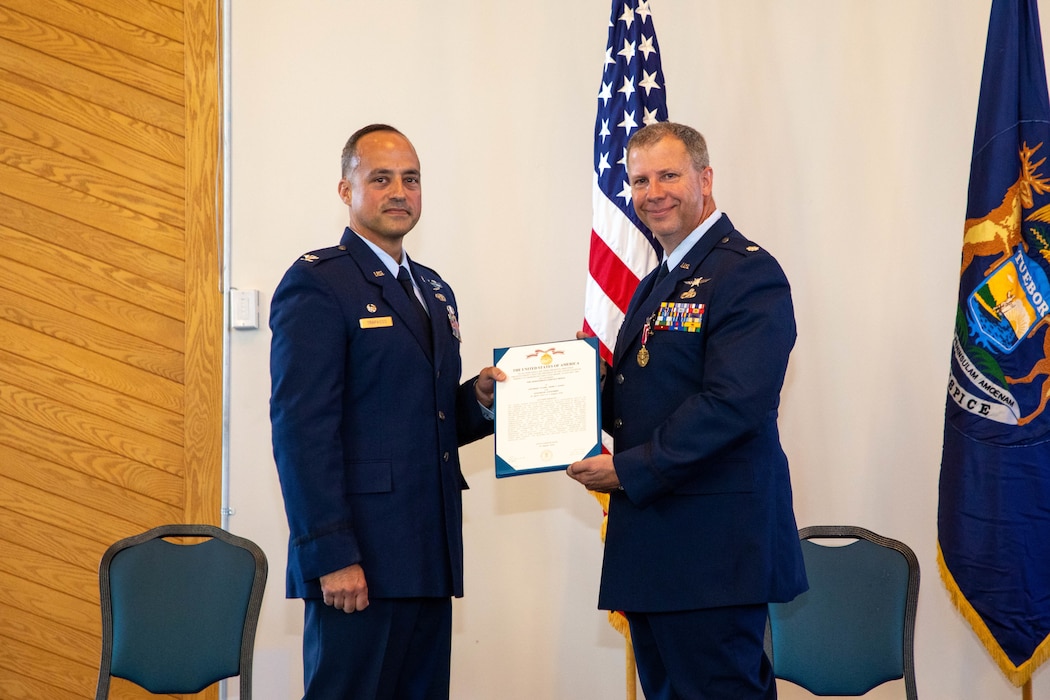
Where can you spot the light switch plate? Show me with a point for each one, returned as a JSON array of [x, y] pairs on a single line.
[[244, 309]]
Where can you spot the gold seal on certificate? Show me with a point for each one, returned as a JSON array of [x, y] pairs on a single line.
[[547, 409]]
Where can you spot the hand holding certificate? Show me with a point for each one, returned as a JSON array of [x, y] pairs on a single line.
[[547, 409]]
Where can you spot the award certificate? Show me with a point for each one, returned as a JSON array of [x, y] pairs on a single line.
[[547, 409]]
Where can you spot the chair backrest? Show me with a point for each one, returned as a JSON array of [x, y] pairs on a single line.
[[854, 628], [177, 618]]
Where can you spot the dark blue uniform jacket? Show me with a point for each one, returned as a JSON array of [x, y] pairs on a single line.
[[367, 415], [705, 518]]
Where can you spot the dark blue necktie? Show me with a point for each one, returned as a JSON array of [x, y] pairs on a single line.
[[406, 284], [661, 273]]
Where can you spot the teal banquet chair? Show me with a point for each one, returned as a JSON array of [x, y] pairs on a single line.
[[177, 618], [854, 628]]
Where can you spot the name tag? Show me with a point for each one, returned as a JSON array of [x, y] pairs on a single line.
[[379, 322]]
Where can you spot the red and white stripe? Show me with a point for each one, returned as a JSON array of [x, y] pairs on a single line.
[[620, 257]]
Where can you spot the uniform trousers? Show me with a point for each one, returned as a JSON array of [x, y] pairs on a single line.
[[395, 649], [711, 654]]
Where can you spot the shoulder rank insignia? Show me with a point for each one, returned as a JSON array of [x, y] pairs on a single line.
[[752, 249], [309, 257]]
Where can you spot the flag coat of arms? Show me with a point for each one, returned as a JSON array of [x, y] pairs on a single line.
[[993, 522]]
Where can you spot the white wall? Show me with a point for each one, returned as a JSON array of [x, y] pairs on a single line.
[[840, 135]]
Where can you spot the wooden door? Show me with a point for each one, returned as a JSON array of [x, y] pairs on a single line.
[[110, 309]]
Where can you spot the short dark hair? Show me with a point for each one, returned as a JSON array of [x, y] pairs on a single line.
[[694, 141], [350, 149]]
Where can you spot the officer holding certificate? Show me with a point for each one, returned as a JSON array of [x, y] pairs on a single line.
[[368, 413], [701, 534]]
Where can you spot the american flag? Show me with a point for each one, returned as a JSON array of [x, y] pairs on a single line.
[[632, 95]]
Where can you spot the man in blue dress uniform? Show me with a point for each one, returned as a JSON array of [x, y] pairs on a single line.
[[701, 533], [368, 413]]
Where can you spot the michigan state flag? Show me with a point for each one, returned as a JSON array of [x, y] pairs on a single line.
[[993, 521]]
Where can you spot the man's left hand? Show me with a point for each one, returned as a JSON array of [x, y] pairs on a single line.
[[596, 473]]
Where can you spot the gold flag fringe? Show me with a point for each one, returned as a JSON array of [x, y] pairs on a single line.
[[1018, 675], [603, 501], [616, 618]]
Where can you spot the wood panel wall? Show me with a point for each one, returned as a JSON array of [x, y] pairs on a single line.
[[110, 309]]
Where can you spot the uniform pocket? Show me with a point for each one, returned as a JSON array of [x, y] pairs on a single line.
[[370, 476]]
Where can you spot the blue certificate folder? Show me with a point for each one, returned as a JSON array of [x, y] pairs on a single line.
[[548, 428]]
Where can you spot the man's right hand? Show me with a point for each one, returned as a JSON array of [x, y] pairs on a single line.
[[345, 589]]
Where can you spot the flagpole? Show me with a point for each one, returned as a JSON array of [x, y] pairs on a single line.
[[623, 251], [1026, 690]]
